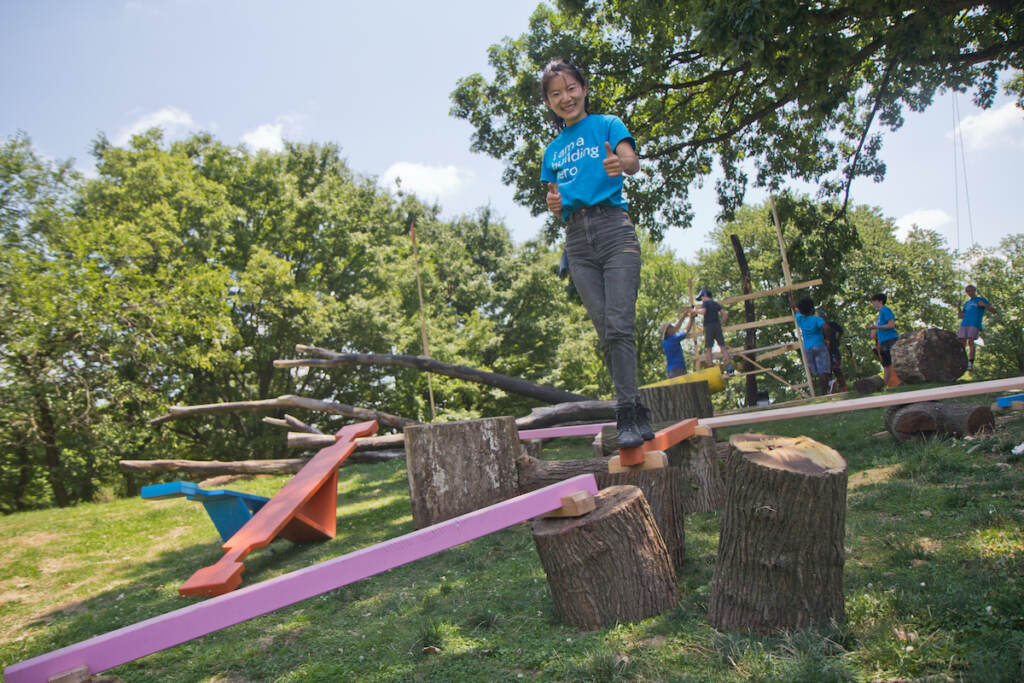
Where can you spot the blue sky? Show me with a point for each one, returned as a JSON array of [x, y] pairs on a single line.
[[375, 78]]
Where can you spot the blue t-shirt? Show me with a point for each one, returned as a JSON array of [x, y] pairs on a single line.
[[885, 314], [973, 313], [810, 327], [575, 159], [673, 348]]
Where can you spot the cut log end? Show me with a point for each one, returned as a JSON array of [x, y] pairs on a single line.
[[801, 454]]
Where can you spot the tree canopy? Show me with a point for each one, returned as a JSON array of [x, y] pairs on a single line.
[[778, 88]]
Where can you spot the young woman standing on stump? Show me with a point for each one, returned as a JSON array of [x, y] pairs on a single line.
[[583, 168]]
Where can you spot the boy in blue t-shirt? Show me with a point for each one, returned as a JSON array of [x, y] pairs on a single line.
[[885, 333], [672, 344], [811, 328], [971, 315]]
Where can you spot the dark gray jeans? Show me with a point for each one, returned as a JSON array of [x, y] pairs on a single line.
[[604, 261]]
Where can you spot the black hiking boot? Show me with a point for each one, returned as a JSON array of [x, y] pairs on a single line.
[[625, 425], [643, 421]]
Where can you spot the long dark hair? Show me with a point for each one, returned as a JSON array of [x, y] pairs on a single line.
[[561, 67]]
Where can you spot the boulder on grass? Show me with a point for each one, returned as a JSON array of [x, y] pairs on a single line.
[[931, 355]]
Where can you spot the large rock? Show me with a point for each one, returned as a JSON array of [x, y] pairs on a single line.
[[932, 355]]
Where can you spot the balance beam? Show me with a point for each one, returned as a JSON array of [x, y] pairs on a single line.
[[898, 398], [146, 637]]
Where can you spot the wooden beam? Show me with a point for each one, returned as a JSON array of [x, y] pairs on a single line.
[[146, 637], [769, 292], [759, 323], [896, 398]]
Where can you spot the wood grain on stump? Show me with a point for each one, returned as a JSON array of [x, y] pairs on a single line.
[[458, 467], [663, 489], [608, 566], [780, 551]]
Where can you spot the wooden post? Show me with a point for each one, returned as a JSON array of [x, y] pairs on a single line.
[[789, 283], [749, 341], [780, 550], [609, 566], [458, 467], [423, 316]]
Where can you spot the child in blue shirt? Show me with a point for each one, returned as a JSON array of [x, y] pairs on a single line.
[[583, 168], [885, 333], [971, 315], [672, 344], [812, 330]]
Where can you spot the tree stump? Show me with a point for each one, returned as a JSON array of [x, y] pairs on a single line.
[[668, 405], [780, 551], [608, 566], [663, 490], [932, 355], [458, 467], [921, 420], [701, 474], [869, 385]]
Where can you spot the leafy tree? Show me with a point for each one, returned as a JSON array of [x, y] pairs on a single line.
[[776, 88]]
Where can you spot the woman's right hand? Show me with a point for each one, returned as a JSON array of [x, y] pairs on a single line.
[[554, 199]]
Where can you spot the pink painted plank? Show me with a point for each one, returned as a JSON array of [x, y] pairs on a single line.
[[146, 637], [897, 398], [556, 432]]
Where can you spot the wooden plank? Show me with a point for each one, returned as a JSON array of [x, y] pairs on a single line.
[[759, 323], [769, 292], [935, 394], [558, 432], [146, 637]]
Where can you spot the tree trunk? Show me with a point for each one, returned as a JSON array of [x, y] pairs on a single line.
[[665, 491], [750, 387], [51, 452], [780, 551], [919, 420], [513, 385], [700, 474], [869, 385], [932, 355], [459, 467], [575, 412], [609, 566], [668, 404]]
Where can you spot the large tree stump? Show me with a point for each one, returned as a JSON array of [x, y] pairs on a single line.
[[932, 355], [458, 467], [662, 488], [608, 566], [925, 419], [701, 473], [780, 551]]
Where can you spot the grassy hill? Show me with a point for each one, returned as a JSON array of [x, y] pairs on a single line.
[[934, 584]]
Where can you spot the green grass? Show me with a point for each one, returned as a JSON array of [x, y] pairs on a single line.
[[933, 584]]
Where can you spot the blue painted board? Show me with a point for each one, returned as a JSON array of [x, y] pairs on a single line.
[[1005, 401], [228, 510]]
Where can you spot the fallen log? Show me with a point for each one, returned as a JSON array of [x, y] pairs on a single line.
[[514, 385], [921, 420], [213, 468], [869, 385], [573, 412], [286, 401], [932, 355]]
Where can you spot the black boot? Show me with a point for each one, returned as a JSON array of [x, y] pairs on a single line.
[[625, 424], [643, 421]]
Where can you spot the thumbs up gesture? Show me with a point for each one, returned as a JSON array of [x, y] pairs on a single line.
[[554, 199], [612, 163]]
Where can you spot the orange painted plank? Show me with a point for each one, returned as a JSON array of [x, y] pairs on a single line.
[[303, 510], [665, 438]]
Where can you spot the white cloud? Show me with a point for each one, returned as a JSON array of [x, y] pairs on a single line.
[[930, 219], [172, 120], [426, 181], [992, 128], [267, 136]]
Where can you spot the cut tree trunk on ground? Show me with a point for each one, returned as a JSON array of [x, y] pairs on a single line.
[[922, 420], [665, 491], [701, 474], [869, 385], [931, 355], [513, 385], [459, 467], [780, 551], [608, 566]]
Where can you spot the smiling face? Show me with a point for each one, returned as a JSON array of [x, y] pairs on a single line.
[[970, 291], [566, 97]]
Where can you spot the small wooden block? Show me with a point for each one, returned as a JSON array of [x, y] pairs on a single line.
[[575, 505], [1016, 405], [701, 430], [652, 460], [77, 675]]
